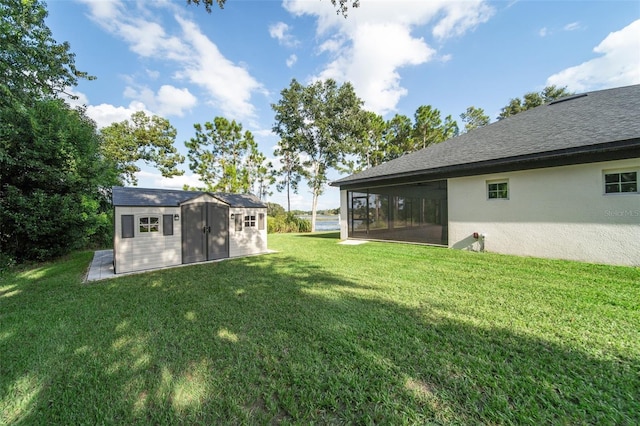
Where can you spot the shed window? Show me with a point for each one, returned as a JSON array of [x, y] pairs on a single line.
[[167, 224], [127, 225], [249, 221], [149, 224], [621, 182], [498, 190], [261, 221]]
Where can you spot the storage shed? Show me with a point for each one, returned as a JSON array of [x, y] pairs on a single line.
[[154, 228]]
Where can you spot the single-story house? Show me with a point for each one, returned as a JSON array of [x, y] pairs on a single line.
[[557, 181], [155, 228]]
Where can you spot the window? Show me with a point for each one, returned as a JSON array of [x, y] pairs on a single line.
[[149, 224], [615, 183], [498, 190], [127, 225], [250, 221], [261, 221]]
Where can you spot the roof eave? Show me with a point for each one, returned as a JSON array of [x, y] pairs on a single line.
[[615, 150]]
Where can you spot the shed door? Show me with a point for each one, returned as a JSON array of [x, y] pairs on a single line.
[[205, 234], [217, 231], [194, 242]]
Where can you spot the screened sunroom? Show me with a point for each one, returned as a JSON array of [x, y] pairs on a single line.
[[411, 213]]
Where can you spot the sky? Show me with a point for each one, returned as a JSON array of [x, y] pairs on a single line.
[[177, 61]]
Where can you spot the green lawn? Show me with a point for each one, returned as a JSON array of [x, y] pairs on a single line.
[[324, 333]]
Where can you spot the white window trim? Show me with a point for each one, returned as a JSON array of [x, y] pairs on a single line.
[[620, 171], [493, 182], [138, 233]]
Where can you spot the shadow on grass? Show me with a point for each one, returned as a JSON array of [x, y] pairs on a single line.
[[322, 235], [274, 339]]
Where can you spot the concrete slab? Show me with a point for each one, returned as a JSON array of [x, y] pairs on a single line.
[[102, 266], [352, 242]]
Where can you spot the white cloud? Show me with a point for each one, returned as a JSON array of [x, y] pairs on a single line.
[[106, 114], [229, 85], [280, 31], [618, 63], [291, 60], [167, 102], [148, 179], [80, 98], [197, 59], [572, 26], [543, 32], [375, 42]]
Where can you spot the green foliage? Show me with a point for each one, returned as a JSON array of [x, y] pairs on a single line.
[[49, 184], [285, 223], [227, 159], [429, 129], [473, 118], [143, 138], [291, 170], [275, 209], [532, 100], [32, 64], [321, 121]]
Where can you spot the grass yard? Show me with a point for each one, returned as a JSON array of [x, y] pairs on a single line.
[[324, 333]]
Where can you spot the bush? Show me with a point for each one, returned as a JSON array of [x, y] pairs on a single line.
[[285, 223]]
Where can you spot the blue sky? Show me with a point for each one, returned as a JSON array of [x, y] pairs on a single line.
[[177, 61]]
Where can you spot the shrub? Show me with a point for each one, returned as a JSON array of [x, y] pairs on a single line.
[[287, 223]]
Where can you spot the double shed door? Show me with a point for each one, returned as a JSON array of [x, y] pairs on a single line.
[[205, 232]]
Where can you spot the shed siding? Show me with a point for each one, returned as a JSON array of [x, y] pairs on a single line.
[[146, 251], [250, 240], [558, 212]]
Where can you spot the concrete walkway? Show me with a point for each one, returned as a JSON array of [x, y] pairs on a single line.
[[102, 266]]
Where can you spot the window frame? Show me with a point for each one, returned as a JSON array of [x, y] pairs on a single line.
[[497, 191], [619, 182], [249, 221], [149, 224]]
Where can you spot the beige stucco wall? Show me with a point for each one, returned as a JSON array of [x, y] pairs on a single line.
[[146, 250], [558, 212], [344, 223]]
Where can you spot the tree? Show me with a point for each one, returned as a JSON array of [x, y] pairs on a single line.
[[291, 170], [320, 121], [143, 138], [32, 64], [275, 209], [371, 149], [260, 173], [429, 129], [532, 100], [227, 159], [51, 176], [473, 118], [399, 139], [342, 6]]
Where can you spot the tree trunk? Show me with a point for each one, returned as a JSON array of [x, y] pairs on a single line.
[[288, 198], [313, 211]]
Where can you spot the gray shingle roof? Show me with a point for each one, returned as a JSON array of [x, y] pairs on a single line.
[[577, 123], [133, 196]]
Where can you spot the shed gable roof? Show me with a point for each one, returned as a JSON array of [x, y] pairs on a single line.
[[142, 197], [595, 121]]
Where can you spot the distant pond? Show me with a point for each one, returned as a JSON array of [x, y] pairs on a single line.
[[325, 223]]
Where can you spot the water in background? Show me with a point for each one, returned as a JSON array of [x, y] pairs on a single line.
[[325, 223]]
